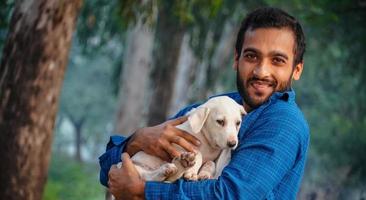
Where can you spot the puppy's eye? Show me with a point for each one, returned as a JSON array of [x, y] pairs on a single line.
[[220, 122], [238, 123]]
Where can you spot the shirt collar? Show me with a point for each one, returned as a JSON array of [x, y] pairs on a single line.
[[288, 95]]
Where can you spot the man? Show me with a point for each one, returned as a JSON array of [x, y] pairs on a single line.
[[273, 139]]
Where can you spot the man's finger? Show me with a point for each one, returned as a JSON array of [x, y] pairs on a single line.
[[164, 155], [183, 143], [189, 137], [113, 167], [171, 150], [127, 162], [178, 120]]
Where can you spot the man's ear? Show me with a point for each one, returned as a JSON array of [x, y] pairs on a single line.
[[296, 74], [236, 61], [197, 118]]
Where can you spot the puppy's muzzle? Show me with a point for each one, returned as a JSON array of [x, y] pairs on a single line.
[[231, 144]]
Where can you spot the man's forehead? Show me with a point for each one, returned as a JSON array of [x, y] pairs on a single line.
[[270, 40]]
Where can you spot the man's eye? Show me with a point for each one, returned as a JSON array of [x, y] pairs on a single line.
[[238, 123], [251, 57], [221, 122], [278, 61]]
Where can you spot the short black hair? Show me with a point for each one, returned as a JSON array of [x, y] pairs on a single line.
[[268, 17]]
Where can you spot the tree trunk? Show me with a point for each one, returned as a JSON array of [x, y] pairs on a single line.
[[185, 76], [135, 73], [169, 36], [78, 142], [222, 57], [78, 125], [202, 71], [212, 66], [78, 139], [32, 69]]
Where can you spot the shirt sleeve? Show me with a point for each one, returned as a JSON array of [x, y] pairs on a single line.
[[265, 154], [116, 146], [112, 156]]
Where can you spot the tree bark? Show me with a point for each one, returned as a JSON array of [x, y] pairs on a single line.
[[78, 125], [222, 56], [169, 36], [31, 73], [212, 66], [79, 140], [201, 79], [185, 76], [135, 76]]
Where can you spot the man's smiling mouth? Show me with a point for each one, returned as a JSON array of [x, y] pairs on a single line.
[[262, 85]]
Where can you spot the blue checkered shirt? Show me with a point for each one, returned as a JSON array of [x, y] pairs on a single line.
[[267, 164]]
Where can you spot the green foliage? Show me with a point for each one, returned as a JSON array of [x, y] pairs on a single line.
[[332, 91], [98, 24], [184, 12], [189, 11], [69, 180], [6, 8], [130, 11]]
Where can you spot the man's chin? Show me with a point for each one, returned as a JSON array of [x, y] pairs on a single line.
[[255, 104], [257, 101]]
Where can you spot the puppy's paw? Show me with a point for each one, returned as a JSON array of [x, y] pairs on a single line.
[[207, 171], [187, 159], [204, 176], [169, 169], [191, 176]]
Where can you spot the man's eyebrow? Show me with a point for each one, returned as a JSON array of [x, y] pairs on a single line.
[[278, 53], [251, 49]]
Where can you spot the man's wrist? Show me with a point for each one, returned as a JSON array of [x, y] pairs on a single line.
[[141, 193], [132, 146]]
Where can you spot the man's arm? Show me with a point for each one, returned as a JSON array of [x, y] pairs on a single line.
[[264, 156], [128, 176], [112, 156], [157, 140], [261, 161]]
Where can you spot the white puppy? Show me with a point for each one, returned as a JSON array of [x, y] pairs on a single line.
[[216, 124]]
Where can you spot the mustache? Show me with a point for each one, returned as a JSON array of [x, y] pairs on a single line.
[[267, 81]]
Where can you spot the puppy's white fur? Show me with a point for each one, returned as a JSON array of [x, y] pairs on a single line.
[[216, 124]]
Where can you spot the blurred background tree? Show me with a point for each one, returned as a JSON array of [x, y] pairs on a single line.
[[33, 63], [129, 56]]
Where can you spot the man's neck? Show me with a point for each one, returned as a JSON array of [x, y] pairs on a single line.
[[247, 108]]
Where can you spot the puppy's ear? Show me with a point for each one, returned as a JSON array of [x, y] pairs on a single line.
[[242, 110], [197, 118]]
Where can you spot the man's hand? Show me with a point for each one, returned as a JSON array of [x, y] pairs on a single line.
[[125, 183], [158, 140]]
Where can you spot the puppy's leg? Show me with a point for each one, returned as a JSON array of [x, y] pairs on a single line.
[[207, 171], [160, 174], [186, 159], [191, 173], [184, 162]]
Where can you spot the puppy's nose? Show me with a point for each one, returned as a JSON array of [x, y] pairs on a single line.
[[231, 144]]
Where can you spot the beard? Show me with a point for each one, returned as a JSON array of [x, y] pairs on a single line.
[[251, 101]]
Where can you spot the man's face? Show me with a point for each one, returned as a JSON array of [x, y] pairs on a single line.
[[266, 64]]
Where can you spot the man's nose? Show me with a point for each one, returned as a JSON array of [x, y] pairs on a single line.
[[262, 69]]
